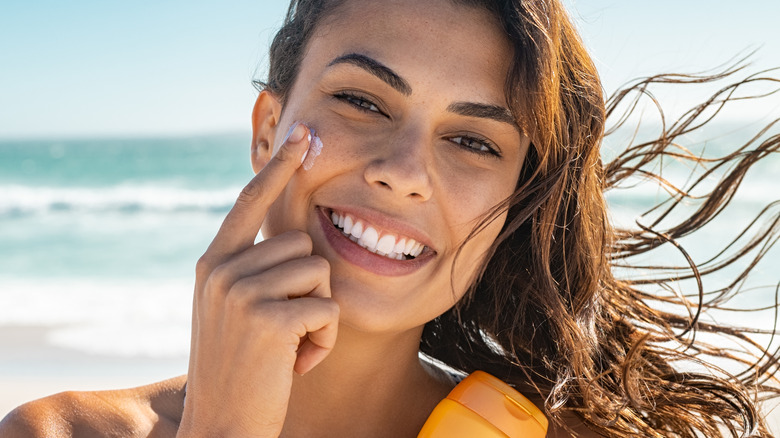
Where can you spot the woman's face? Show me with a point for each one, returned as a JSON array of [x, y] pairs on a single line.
[[408, 99]]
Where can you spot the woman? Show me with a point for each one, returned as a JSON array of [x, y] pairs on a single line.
[[455, 208]]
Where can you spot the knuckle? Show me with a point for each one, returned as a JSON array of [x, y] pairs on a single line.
[[298, 239], [334, 308], [320, 264], [250, 193], [271, 318], [220, 280], [203, 267], [283, 155]]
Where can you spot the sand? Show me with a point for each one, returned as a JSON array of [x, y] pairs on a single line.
[[31, 369]]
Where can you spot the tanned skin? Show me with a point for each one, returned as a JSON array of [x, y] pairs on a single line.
[[152, 411], [147, 411]]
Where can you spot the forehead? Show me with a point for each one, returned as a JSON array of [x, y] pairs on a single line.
[[432, 43]]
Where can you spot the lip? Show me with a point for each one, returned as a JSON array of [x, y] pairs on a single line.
[[363, 258]]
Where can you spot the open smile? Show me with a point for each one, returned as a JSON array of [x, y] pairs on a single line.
[[372, 247], [379, 242]]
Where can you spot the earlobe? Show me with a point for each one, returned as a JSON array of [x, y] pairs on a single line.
[[265, 119]]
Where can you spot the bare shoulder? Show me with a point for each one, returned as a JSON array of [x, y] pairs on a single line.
[[147, 411]]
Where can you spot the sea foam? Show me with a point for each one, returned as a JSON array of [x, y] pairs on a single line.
[[26, 200], [110, 318]]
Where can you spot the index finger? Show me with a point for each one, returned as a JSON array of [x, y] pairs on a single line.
[[242, 223]]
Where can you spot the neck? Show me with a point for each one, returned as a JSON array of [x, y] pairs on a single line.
[[363, 388]]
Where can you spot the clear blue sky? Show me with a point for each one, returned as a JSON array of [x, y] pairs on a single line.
[[174, 67]]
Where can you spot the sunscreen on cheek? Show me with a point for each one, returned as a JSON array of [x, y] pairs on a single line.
[[315, 147]]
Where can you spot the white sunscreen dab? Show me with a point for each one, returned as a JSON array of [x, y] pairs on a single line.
[[315, 147]]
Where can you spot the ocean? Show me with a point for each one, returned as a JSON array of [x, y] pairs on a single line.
[[99, 238]]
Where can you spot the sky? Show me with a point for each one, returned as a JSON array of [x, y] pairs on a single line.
[[109, 68]]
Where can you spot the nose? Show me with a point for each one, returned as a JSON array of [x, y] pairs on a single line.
[[402, 168]]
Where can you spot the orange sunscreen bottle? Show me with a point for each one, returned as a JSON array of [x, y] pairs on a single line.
[[485, 407]]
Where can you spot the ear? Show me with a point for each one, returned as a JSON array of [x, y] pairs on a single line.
[[265, 120]]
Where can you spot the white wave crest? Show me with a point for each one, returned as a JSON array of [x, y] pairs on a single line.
[[26, 200]]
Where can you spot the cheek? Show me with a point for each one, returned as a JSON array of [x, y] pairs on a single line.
[[337, 149], [278, 219], [468, 197], [290, 210], [474, 254], [468, 201], [333, 147]]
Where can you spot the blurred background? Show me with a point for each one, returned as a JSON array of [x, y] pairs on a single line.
[[124, 139]]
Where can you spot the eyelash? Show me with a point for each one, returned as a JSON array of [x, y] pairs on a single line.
[[479, 146], [359, 102], [483, 147]]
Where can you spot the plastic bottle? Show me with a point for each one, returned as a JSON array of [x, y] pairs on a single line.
[[483, 406]]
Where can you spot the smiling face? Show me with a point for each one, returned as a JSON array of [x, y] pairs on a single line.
[[408, 100]]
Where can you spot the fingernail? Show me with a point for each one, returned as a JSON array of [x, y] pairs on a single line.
[[296, 133], [290, 131]]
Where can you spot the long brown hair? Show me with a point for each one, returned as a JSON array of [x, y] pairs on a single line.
[[548, 313]]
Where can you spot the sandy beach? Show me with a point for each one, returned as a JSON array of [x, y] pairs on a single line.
[[30, 369]]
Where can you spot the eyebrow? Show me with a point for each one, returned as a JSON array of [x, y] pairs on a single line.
[[377, 69], [484, 111], [387, 75]]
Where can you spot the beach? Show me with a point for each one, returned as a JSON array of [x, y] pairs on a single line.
[[98, 243], [99, 240], [30, 368]]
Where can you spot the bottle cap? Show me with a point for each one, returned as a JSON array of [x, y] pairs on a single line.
[[499, 404]]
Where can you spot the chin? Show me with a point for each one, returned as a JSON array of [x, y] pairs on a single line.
[[382, 311]]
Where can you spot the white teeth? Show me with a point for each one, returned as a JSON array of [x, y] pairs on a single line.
[[369, 238], [347, 225], [357, 230], [386, 244], [408, 246]]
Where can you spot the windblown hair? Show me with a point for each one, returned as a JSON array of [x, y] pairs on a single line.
[[548, 312]]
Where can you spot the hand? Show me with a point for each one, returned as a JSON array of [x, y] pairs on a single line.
[[260, 312]]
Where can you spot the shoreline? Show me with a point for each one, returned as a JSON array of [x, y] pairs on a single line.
[[30, 368]]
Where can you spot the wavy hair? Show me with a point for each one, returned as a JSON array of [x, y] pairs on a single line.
[[563, 307]]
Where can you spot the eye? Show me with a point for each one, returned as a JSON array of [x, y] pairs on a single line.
[[358, 101], [476, 145]]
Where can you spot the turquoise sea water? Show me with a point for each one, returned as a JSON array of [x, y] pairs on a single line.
[[114, 208], [99, 238]]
